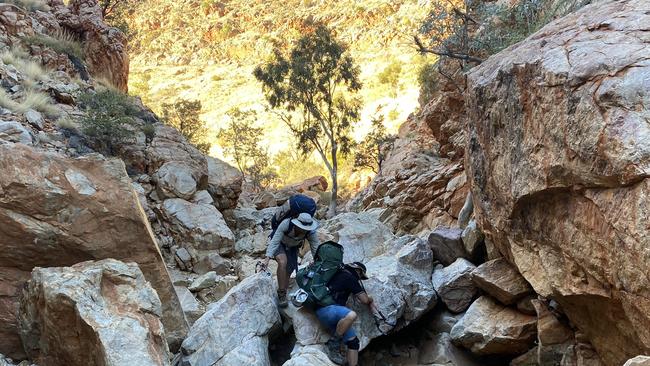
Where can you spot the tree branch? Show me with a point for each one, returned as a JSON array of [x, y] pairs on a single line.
[[450, 54]]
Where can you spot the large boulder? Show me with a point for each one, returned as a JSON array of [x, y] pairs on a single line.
[[502, 281], [246, 312], [169, 145], [559, 158], [306, 327], [57, 211], [174, 180], [447, 245], [311, 355], [454, 285], [400, 281], [198, 226], [488, 328], [224, 183], [362, 235], [93, 313]]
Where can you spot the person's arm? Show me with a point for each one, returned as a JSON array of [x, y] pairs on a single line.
[[314, 242], [275, 241], [366, 299], [361, 295]]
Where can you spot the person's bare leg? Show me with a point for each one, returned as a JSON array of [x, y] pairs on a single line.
[[283, 278], [344, 324], [353, 357]]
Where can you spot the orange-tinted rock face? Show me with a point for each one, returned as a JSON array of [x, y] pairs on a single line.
[[559, 158], [57, 211], [419, 189], [105, 47]]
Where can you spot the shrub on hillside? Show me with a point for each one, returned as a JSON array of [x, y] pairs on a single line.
[[184, 115], [109, 119], [373, 150]]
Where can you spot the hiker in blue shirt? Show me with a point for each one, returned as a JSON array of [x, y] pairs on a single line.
[[284, 245]]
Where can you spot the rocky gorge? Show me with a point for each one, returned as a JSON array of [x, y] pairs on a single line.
[[509, 226]]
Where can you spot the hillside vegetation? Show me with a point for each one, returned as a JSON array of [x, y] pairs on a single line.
[[207, 50]]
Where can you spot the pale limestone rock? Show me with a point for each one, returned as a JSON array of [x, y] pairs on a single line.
[[200, 226], [202, 198], [253, 244], [400, 281], [307, 329], [247, 311], [169, 145], [454, 285], [488, 328], [252, 351], [310, 355], [638, 361], [204, 281], [15, 132], [224, 183], [191, 307], [363, 236], [222, 285], [92, 313], [35, 119], [174, 180], [473, 240]]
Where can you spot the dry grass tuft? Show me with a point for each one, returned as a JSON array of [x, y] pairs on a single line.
[[67, 123], [62, 41], [40, 102], [7, 102]]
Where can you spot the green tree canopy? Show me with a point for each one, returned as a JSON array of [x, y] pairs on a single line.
[[312, 89], [373, 150], [184, 116], [241, 140]]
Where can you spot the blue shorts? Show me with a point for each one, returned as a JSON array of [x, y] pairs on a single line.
[[330, 316]]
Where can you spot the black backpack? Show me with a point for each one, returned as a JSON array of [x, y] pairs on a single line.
[[295, 205]]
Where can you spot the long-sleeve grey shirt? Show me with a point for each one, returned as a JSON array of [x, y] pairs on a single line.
[[287, 235]]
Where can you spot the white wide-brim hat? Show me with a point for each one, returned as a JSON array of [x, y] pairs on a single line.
[[305, 222]]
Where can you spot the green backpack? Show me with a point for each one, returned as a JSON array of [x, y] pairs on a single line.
[[314, 278]]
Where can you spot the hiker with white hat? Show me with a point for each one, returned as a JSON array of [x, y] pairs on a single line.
[[284, 246]]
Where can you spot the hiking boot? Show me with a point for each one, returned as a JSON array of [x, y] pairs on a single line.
[[334, 351], [282, 299]]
